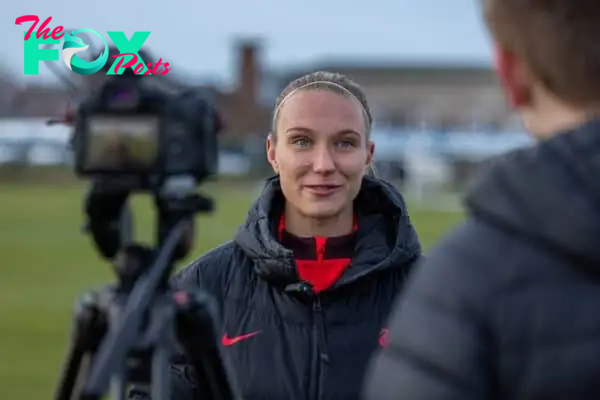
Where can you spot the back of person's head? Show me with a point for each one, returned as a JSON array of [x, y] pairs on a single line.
[[547, 55]]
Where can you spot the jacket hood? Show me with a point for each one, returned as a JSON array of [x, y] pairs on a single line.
[[385, 237], [549, 194]]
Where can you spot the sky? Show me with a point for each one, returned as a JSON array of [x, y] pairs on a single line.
[[197, 36]]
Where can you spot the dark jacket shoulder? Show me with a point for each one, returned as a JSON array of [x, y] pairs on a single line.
[[211, 271], [500, 307], [434, 349]]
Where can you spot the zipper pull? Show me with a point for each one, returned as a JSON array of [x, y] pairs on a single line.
[[317, 305], [320, 243], [305, 289]]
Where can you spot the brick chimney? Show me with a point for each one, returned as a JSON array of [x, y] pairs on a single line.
[[248, 74]]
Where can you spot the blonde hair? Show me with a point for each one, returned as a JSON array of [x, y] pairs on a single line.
[[372, 171], [333, 82], [323, 80]]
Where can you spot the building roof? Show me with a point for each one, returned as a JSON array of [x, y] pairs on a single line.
[[382, 69]]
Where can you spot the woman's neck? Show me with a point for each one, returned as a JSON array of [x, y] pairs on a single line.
[[303, 226]]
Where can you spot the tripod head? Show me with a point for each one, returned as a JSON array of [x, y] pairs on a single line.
[[127, 332], [110, 222]]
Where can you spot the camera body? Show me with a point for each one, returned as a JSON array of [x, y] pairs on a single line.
[[129, 129]]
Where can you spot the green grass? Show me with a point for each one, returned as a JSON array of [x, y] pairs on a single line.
[[47, 263]]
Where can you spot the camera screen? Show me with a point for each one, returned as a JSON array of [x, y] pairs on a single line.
[[121, 144]]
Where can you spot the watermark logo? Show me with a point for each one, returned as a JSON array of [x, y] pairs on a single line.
[[73, 45], [128, 56]]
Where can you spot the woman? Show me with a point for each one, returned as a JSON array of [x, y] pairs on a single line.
[[305, 287]]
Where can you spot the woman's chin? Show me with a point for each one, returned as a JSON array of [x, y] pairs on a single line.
[[322, 210]]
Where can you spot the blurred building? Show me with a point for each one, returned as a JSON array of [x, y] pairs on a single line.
[[448, 116], [402, 94], [440, 96], [245, 109], [39, 101]]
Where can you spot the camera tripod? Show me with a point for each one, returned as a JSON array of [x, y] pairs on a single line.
[[126, 333]]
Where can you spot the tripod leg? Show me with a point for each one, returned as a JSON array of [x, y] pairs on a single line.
[[88, 329], [118, 385], [197, 334], [164, 317]]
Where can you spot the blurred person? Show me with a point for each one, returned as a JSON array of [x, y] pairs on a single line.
[[506, 306], [307, 283]]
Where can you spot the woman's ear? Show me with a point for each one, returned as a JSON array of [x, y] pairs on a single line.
[[370, 152], [271, 156]]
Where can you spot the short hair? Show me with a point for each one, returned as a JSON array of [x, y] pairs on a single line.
[[323, 80], [558, 39]]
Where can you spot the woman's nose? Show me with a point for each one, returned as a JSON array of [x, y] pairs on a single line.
[[323, 160]]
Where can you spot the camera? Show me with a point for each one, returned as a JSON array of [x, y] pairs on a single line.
[[132, 136], [129, 128]]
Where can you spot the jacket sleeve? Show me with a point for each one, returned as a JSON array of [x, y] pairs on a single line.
[[203, 274], [438, 345]]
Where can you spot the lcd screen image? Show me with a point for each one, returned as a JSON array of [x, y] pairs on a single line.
[[122, 144]]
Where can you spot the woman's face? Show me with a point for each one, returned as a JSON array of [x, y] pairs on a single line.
[[320, 151]]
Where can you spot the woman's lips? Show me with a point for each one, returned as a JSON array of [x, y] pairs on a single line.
[[322, 190]]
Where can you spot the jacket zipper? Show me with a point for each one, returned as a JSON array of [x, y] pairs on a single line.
[[321, 354]]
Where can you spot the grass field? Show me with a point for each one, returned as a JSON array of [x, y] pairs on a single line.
[[47, 263]]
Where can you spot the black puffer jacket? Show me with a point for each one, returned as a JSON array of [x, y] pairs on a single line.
[[282, 340], [507, 307]]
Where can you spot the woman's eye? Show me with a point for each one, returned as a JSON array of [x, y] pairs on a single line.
[[301, 142], [345, 143]]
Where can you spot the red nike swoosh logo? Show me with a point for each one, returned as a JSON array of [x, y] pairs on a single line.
[[383, 337], [227, 341]]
